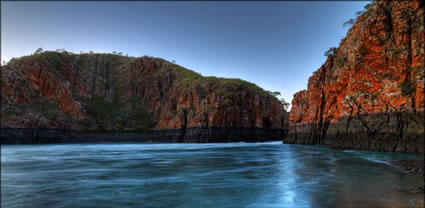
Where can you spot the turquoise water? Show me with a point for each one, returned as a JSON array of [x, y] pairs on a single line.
[[202, 175]]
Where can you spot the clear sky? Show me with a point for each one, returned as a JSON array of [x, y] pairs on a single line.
[[276, 45]]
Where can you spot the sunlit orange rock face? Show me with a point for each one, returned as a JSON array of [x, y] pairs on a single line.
[[370, 93], [106, 92]]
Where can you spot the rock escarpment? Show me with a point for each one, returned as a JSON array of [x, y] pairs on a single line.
[[369, 94], [62, 97]]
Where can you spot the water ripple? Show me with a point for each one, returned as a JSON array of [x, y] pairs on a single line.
[[202, 175]]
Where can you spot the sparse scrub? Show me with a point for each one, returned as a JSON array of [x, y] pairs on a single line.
[[275, 93], [349, 22], [362, 52], [331, 52], [340, 60], [407, 88], [284, 103]]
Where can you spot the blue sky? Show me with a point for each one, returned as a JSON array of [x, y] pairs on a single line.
[[276, 45]]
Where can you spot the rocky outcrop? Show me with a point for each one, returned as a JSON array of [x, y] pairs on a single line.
[[67, 96], [195, 135], [369, 94]]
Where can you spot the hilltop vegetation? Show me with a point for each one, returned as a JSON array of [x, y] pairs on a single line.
[[112, 92]]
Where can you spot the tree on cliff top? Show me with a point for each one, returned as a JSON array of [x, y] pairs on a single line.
[[39, 50], [367, 9], [349, 22], [331, 52], [275, 93], [284, 103]]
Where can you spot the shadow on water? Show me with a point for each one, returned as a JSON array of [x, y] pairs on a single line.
[[202, 175]]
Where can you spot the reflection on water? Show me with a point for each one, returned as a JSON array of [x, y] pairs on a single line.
[[202, 175]]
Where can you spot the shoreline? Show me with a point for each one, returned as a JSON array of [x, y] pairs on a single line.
[[412, 166], [186, 135], [382, 132]]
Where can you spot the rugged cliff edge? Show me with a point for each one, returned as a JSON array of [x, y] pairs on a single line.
[[64, 97], [369, 94]]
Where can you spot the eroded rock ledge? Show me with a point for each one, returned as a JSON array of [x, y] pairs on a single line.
[[194, 135], [389, 132]]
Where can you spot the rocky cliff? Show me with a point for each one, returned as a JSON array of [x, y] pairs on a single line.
[[369, 94], [64, 95]]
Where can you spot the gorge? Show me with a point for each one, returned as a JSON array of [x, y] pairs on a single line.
[[82, 127], [368, 95]]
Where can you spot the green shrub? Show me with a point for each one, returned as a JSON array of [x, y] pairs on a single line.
[[341, 60], [387, 75], [50, 59], [362, 52], [275, 93], [420, 71], [407, 88], [173, 113], [39, 50], [349, 22], [396, 52], [142, 118], [46, 107], [208, 108], [374, 96], [189, 78], [369, 8], [98, 108], [331, 52], [226, 102], [201, 92], [284, 103]]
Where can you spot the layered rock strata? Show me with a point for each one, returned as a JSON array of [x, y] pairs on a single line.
[[64, 96], [369, 94]]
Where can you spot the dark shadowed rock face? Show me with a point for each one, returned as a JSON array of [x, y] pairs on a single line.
[[116, 94], [369, 94]]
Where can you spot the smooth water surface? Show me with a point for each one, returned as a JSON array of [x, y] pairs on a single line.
[[202, 175]]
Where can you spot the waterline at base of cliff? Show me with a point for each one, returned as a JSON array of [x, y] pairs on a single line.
[[192, 135], [386, 132]]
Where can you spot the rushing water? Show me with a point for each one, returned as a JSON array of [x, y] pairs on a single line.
[[202, 175]]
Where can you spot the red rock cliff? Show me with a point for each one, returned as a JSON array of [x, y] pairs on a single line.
[[369, 94], [106, 92]]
